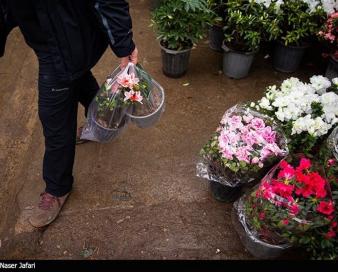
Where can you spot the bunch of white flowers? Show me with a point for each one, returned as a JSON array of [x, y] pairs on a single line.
[[294, 100]]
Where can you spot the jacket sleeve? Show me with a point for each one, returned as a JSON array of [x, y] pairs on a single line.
[[7, 23], [114, 19]]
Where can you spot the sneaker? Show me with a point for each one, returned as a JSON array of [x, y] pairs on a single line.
[[78, 135], [47, 210]]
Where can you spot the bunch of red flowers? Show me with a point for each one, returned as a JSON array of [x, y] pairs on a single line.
[[330, 33], [293, 199]]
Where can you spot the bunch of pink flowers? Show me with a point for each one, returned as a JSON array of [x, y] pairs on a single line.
[[248, 139], [330, 33], [129, 84]]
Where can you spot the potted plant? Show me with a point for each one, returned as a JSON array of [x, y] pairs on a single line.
[[147, 113], [247, 23], [179, 25], [244, 147], [292, 205], [306, 112], [216, 33], [298, 23], [329, 34]]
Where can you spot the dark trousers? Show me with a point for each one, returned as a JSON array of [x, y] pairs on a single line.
[[58, 105]]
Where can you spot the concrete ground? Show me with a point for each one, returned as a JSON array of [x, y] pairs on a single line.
[[136, 197]]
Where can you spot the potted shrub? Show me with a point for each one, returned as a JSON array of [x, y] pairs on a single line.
[[298, 23], [292, 205], [179, 25], [216, 33], [244, 147], [247, 23], [329, 34]]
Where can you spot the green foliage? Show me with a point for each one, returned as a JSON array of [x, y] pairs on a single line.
[[247, 24], [181, 23], [297, 24]]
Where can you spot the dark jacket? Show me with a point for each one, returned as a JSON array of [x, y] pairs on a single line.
[[73, 33]]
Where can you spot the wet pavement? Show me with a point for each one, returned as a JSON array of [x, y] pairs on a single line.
[[136, 197]]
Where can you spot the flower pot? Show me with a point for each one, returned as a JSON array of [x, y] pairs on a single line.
[[332, 68], [154, 4], [152, 118], [236, 64], [224, 193], [216, 37], [287, 59], [255, 246], [175, 63]]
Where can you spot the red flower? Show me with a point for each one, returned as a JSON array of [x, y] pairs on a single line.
[[304, 164], [282, 189], [285, 221], [294, 209], [261, 216], [330, 234], [325, 207], [334, 224], [331, 162]]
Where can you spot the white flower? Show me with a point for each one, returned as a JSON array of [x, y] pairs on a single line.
[[312, 4], [335, 81], [265, 104], [133, 96], [320, 83], [329, 6]]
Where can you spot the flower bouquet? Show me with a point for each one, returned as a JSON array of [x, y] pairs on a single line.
[[124, 94], [245, 145], [306, 112], [292, 205]]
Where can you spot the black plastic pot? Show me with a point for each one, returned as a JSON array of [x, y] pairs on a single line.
[[216, 37], [287, 59], [332, 68], [224, 193], [175, 63], [236, 64]]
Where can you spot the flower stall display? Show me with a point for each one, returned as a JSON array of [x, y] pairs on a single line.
[[243, 148], [292, 205], [306, 112], [329, 34], [127, 94]]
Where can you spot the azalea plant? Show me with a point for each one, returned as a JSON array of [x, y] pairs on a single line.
[[117, 96], [293, 204], [244, 144], [306, 112], [329, 33]]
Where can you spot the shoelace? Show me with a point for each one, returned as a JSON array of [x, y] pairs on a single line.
[[47, 201]]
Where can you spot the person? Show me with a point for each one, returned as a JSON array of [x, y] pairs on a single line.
[[68, 38]]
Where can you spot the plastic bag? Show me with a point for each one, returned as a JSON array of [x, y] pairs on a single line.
[[125, 93], [332, 142], [251, 239], [244, 147]]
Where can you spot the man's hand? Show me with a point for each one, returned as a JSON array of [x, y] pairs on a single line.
[[133, 57]]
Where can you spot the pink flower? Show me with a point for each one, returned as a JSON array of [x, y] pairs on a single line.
[[261, 216], [331, 162], [294, 209], [227, 153], [133, 96], [235, 122], [257, 123], [250, 138], [255, 160], [285, 221], [127, 80], [247, 118], [269, 135], [242, 154]]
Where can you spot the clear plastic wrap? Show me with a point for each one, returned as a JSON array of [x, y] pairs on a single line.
[[332, 142], [251, 238], [243, 148], [124, 94]]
